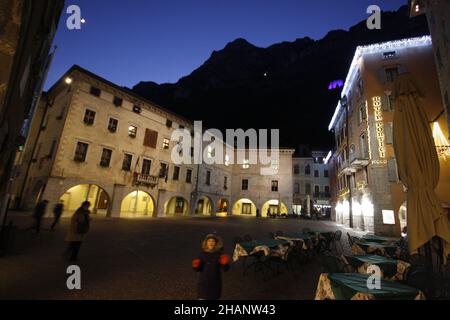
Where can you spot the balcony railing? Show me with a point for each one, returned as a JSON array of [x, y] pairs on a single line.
[[322, 195], [146, 180], [359, 160]]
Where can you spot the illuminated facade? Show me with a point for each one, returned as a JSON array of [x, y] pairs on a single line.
[[93, 140], [368, 193], [438, 17]]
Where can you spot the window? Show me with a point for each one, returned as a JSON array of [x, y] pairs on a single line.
[[95, 91], [316, 190], [307, 188], [106, 157], [391, 74], [89, 116], [146, 166], [363, 146], [176, 173], [391, 100], [151, 138], [274, 185], [225, 182], [81, 152], [362, 114], [52, 149], [126, 164], [244, 184], [132, 131], [166, 143], [296, 169], [137, 109], [246, 164], [117, 101], [296, 188], [274, 163], [112, 125], [316, 173], [327, 190], [208, 178], [211, 152], [308, 170], [246, 208], [188, 175], [163, 170], [389, 55], [325, 173], [181, 126], [169, 123]]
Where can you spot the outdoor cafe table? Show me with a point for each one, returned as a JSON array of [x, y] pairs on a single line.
[[268, 247], [391, 268], [353, 286], [375, 238], [366, 247], [303, 239]]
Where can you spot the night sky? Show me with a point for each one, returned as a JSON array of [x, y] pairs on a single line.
[[148, 40]]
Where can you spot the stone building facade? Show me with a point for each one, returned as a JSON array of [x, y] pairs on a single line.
[[93, 140]]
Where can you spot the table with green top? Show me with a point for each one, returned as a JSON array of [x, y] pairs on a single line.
[[376, 248], [375, 238], [354, 286], [391, 268], [267, 247], [302, 240]]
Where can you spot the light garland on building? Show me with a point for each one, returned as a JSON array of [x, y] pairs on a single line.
[[441, 143], [374, 48]]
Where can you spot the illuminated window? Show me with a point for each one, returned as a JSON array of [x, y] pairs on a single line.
[[388, 217], [132, 131], [274, 163], [166, 143], [246, 164]]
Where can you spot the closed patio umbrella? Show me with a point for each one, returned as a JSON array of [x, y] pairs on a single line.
[[418, 167]]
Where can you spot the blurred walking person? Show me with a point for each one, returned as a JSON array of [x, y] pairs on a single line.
[[39, 212], [57, 212], [79, 227]]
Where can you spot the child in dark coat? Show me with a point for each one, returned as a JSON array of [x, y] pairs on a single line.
[[210, 263]]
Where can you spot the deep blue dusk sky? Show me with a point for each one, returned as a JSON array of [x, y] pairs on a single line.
[[163, 40]]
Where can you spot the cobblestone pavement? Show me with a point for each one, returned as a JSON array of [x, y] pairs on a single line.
[[147, 259]]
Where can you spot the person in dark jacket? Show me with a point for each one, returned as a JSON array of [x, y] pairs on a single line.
[[39, 212], [79, 227], [57, 212], [210, 264]]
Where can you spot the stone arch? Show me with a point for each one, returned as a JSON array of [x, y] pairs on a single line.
[[176, 206], [137, 204], [244, 207], [95, 194]]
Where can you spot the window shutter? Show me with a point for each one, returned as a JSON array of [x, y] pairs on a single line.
[[382, 76], [388, 133], [151, 138], [402, 69], [385, 102], [392, 170]]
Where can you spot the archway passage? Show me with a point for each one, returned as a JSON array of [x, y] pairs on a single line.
[[176, 206], [204, 206], [222, 208], [137, 204], [73, 198], [273, 208], [244, 207]]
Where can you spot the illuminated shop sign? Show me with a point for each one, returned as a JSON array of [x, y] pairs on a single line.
[[379, 125]]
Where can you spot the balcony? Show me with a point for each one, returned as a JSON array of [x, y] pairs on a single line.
[[346, 168], [359, 161], [145, 180]]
